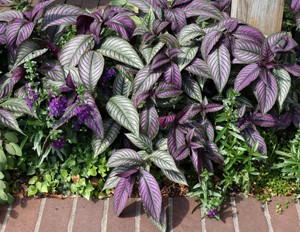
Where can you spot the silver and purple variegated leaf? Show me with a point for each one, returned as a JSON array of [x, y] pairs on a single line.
[[172, 75], [123, 25], [166, 120], [195, 160], [148, 37], [231, 23], [90, 67], [219, 64], [122, 110], [28, 50], [94, 120], [149, 121], [7, 120], [7, 82], [111, 130], [10, 15], [246, 76], [210, 40], [74, 49], [199, 68], [124, 157], [177, 19], [189, 52], [163, 160], [122, 192], [17, 105], [254, 136], [167, 90], [182, 153], [293, 69], [191, 88], [249, 33], [266, 120], [213, 149], [247, 51], [266, 52], [121, 86], [140, 97], [177, 177], [265, 90], [145, 79], [159, 26], [54, 33], [52, 47], [61, 15], [213, 108], [203, 8], [276, 39], [146, 5], [142, 142], [3, 26], [150, 51], [159, 60], [284, 84], [180, 2], [160, 224], [176, 139], [190, 32], [209, 129], [148, 20], [150, 194], [53, 70], [295, 6], [120, 50], [38, 9], [242, 123], [169, 40], [68, 114]]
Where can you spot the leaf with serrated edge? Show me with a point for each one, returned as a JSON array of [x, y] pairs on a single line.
[[120, 50], [122, 110]]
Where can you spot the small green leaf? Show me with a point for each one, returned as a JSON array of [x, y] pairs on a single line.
[[10, 199], [3, 159], [1, 175], [64, 173], [44, 188], [11, 137], [33, 180], [222, 132], [93, 171], [32, 190], [2, 184], [38, 185], [3, 195], [17, 149], [47, 177], [69, 163], [9, 148]]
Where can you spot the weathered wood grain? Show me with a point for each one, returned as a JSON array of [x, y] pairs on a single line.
[[266, 15]]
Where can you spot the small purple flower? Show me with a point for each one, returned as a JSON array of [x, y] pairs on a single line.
[[58, 144], [212, 213], [57, 106], [76, 125], [29, 103], [113, 151], [82, 112]]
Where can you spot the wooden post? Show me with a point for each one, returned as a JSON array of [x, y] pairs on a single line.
[[266, 15]]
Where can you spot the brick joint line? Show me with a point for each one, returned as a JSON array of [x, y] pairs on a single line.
[[72, 215], [38, 222], [170, 209], [234, 215], [203, 221], [137, 219], [6, 218], [104, 217], [298, 209], [268, 217]]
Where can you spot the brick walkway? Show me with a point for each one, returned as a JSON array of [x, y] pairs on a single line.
[[80, 215]]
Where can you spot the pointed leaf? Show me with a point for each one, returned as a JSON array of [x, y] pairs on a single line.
[[122, 110], [188, 54], [17, 105], [203, 8], [6, 119], [247, 51], [146, 5], [172, 75], [53, 70], [219, 64], [150, 194], [189, 33], [182, 153], [10, 15], [246, 76], [149, 121], [121, 86], [124, 157], [163, 160], [210, 40], [61, 15], [176, 140], [149, 51], [284, 84], [199, 68], [192, 88], [73, 50], [120, 50], [253, 137], [142, 142], [249, 33], [177, 177]]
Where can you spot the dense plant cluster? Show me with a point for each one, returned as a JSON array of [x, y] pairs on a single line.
[[164, 83]]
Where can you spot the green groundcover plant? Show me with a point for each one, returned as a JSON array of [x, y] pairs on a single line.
[[163, 83]]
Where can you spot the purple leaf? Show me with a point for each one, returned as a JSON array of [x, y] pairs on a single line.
[[124, 157], [150, 194], [213, 108], [180, 2], [266, 52], [52, 47], [242, 123], [39, 8], [231, 24], [149, 121], [166, 120], [172, 75], [158, 26], [266, 91], [172, 53], [94, 120], [246, 76], [295, 6], [140, 97], [266, 120], [293, 69], [166, 90], [84, 22], [90, 67], [10, 15], [127, 173], [163, 3], [159, 60], [53, 70], [219, 64], [209, 41], [192, 88], [169, 40], [146, 5], [68, 114], [199, 68], [177, 19], [122, 192], [284, 84], [254, 136], [209, 129], [182, 153], [7, 120], [247, 51], [175, 141], [276, 39], [144, 79], [146, 37], [54, 33], [249, 33], [61, 15], [8, 81]]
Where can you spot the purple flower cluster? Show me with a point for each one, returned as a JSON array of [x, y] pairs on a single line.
[[105, 80], [76, 125], [82, 112], [58, 144], [57, 106], [212, 213], [33, 96]]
